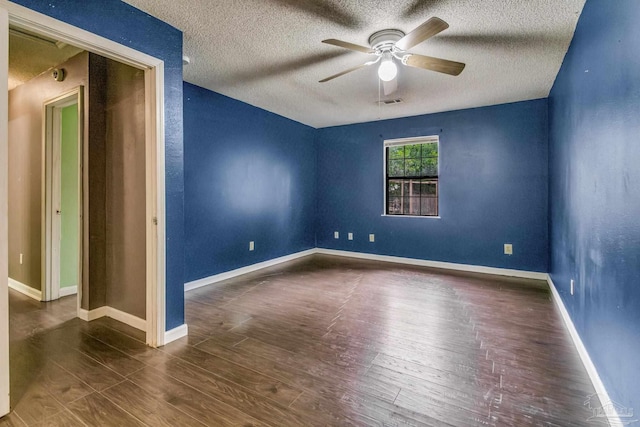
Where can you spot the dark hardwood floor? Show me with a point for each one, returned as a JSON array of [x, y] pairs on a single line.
[[315, 342]]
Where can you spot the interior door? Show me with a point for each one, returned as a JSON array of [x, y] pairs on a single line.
[[63, 195]]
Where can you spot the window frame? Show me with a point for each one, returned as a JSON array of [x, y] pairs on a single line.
[[407, 141]]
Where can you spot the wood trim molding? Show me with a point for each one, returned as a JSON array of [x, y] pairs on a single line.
[[437, 264], [126, 318], [4, 211], [244, 270], [155, 206], [176, 333], [601, 391], [89, 315], [120, 316], [25, 289], [68, 290], [58, 30], [189, 286]]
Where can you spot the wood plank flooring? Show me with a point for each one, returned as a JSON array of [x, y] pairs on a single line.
[[321, 341]]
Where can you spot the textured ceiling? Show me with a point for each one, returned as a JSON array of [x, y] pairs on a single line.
[[31, 55], [268, 53]]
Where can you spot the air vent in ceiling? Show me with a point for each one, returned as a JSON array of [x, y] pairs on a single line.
[[391, 101]]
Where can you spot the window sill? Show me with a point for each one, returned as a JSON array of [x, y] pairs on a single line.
[[410, 216]]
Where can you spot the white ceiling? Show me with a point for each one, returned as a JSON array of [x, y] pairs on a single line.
[[268, 53], [31, 55]]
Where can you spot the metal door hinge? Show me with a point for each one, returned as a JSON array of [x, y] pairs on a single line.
[[155, 220]]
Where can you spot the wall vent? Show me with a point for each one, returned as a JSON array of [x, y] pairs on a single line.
[[391, 101]]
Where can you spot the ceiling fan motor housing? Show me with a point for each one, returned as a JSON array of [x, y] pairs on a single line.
[[384, 40], [392, 44]]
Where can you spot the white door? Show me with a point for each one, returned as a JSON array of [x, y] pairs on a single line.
[[63, 201]]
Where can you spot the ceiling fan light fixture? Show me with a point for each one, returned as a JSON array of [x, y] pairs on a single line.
[[388, 69], [390, 44]]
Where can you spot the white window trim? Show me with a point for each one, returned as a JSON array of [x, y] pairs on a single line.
[[407, 141]]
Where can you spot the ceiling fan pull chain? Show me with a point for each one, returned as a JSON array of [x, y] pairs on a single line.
[[379, 98]]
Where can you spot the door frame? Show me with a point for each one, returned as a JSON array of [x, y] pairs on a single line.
[[52, 110], [4, 213], [20, 16]]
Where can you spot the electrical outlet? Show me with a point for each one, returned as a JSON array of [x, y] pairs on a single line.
[[336, 235], [21, 257], [252, 245], [573, 282], [508, 249], [350, 236], [372, 237]]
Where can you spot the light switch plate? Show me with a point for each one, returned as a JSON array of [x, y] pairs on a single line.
[[350, 236], [372, 237], [508, 249]]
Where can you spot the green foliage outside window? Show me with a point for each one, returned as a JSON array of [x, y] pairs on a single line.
[[412, 179], [413, 160]]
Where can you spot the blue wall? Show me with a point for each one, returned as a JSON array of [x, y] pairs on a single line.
[[117, 21], [249, 175], [594, 115], [493, 188], [493, 179]]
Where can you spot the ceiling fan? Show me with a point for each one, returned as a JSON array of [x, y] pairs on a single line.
[[390, 45]]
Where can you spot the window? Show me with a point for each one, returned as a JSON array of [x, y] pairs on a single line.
[[411, 176]]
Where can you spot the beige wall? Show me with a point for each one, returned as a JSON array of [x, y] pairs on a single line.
[[114, 254], [116, 201], [95, 232], [126, 203], [116, 261], [26, 167]]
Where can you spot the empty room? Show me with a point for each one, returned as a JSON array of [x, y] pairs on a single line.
[[319, 212]]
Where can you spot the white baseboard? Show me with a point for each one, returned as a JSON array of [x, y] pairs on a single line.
[[126, 318], [68, 290], [89, 315], [189, 286], [601, 391], [25, 290], [176, 333], [437, 264], [613, 419], [35, 293], [120, 316]]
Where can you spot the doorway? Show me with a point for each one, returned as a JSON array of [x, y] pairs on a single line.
[[63, 199], [153, 70]]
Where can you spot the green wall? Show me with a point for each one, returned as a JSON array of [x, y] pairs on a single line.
[[70, 200]]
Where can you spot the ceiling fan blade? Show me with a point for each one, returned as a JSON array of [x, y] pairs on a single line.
[[390, 86], [342, 73], [348, 45], [434, 64], [428, 29]]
